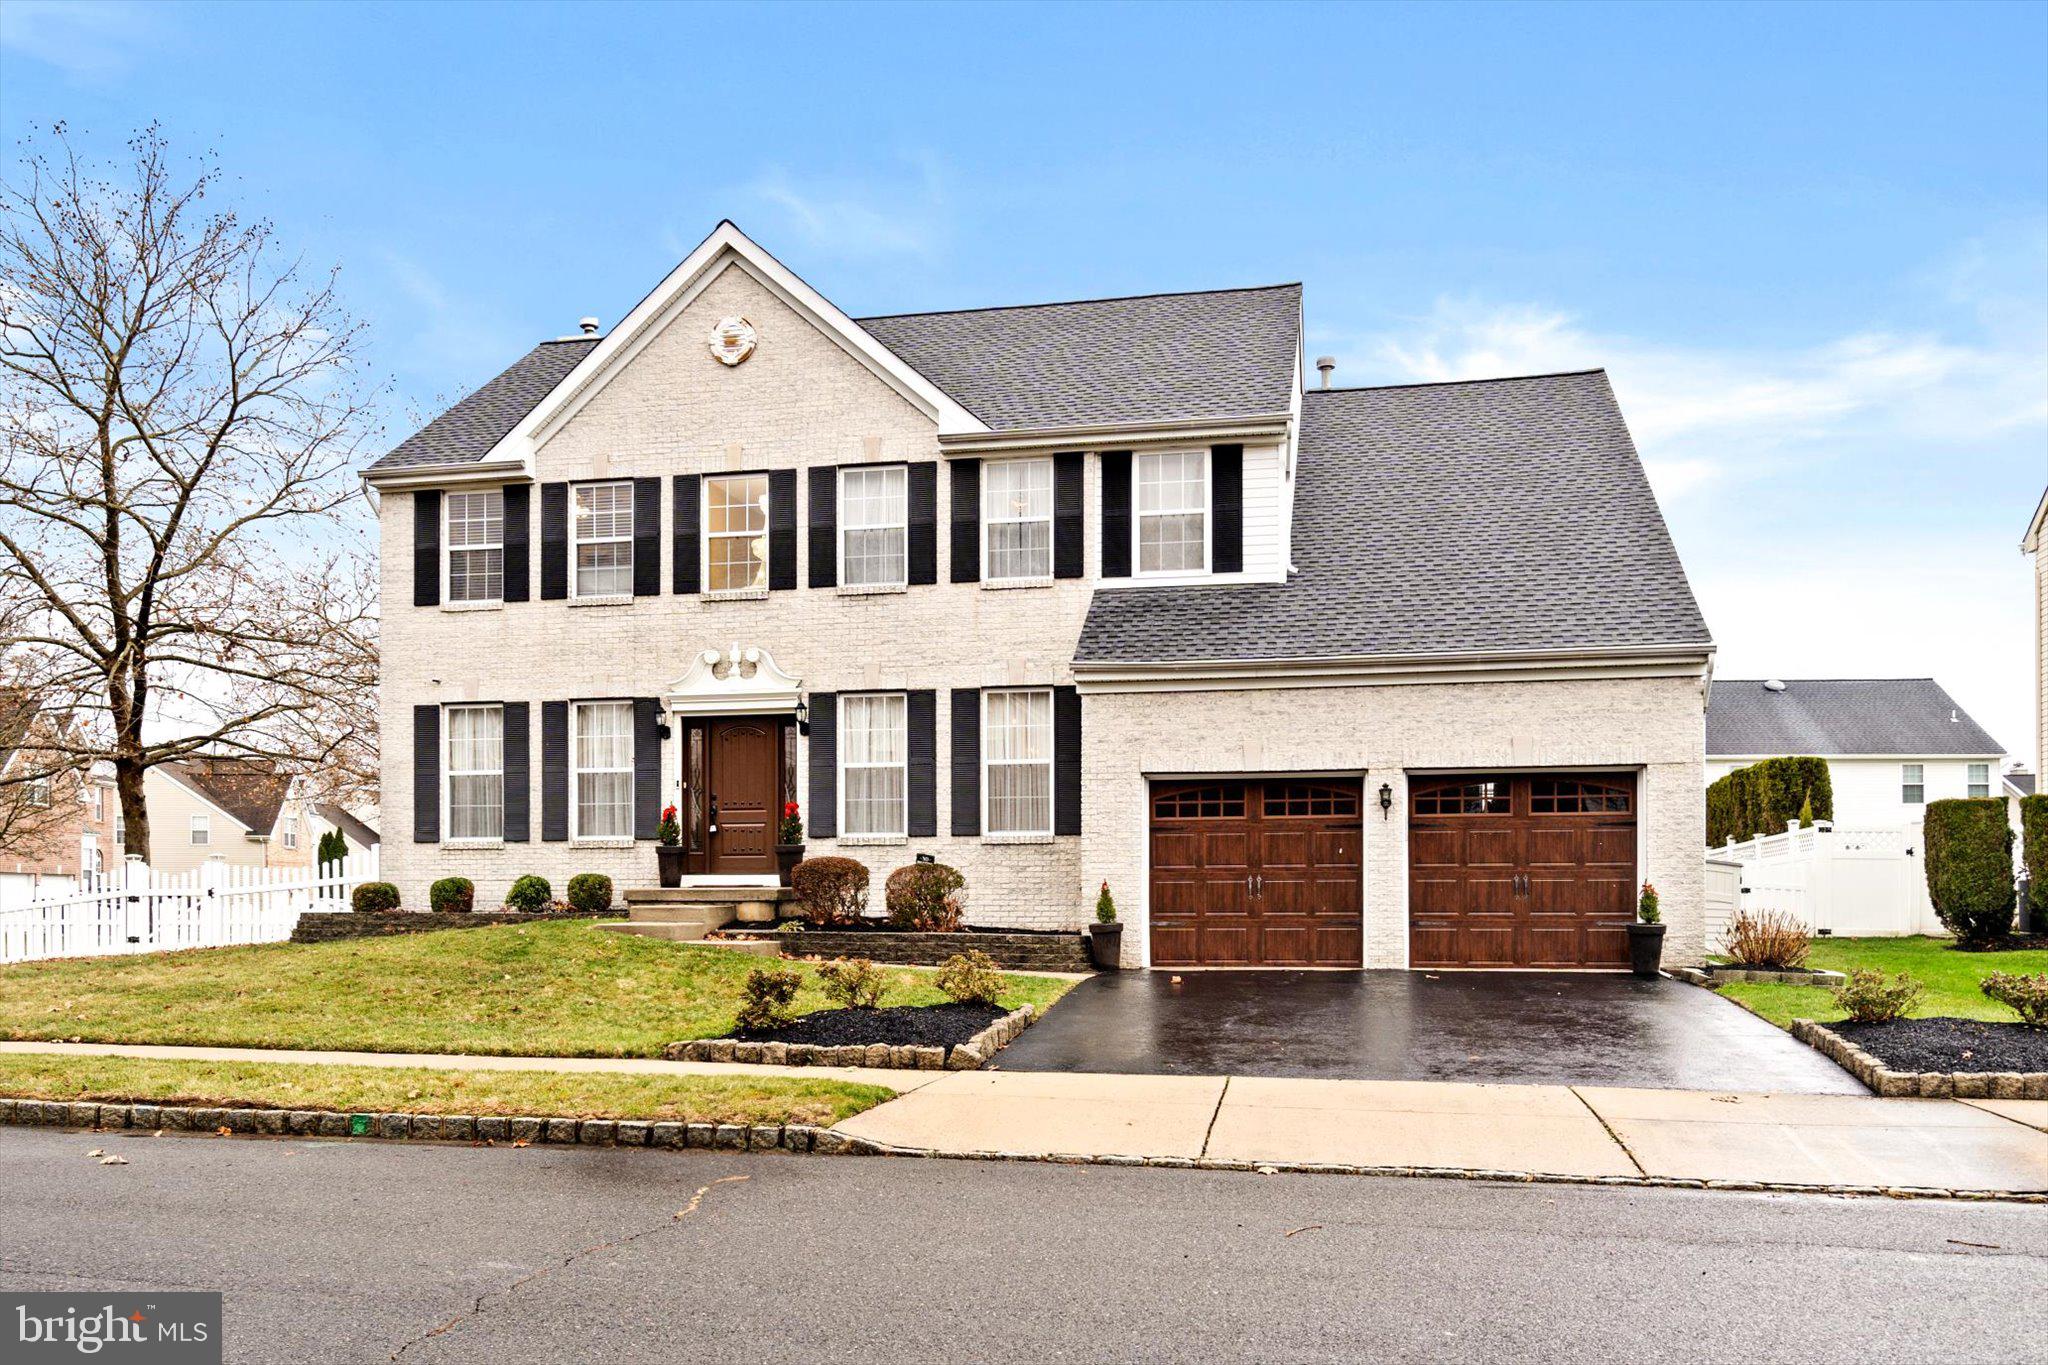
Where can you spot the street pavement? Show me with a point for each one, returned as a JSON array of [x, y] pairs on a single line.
[[337, 1251]]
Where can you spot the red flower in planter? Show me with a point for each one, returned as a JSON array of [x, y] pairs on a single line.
[[788, 809], [668, 812]]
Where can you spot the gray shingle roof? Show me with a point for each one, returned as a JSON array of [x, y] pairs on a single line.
[[1494, 515], [1224, 353], [466, 432], [1837, 717], [2023, 783]]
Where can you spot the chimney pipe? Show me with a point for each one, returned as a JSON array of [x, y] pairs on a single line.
[[1328, 365], [589, 326]]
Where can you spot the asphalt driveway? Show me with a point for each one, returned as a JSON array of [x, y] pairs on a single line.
[[1525, 1028]]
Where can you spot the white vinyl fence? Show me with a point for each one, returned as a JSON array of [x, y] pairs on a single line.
[[1850, 882], [209, 907]]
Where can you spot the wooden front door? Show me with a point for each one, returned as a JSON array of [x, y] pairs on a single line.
[[743, 771], [1256, 874], [1521, 870]]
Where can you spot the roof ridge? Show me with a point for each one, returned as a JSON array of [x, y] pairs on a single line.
[[1449, 383], [1069, 303]]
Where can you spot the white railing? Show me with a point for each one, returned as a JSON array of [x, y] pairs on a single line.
[[209, 907], [1834, 879]]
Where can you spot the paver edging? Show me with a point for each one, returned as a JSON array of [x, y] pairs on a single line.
[[1937, 1085], [968, 1056], [1711, 977]]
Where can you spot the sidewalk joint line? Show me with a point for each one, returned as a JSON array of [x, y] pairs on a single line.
[[1208, 1132], [1602, 1120]]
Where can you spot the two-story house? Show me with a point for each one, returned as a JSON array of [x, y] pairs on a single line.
[[243, 812], [1057, 594]]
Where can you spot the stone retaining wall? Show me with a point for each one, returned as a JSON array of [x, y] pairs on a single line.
[[967, 1056], [328, 926], [1960, 1085], [1011, 952]]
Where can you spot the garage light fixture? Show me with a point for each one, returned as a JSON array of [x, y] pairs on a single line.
[[1386, 801]]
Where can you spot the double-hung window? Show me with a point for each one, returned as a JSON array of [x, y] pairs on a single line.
[[201, 831], [1980, 779], [602, 531], [873, 770], [602, 742], [1913, 783], [1173, 512], [476, 546], [291, 831], [1017, 519], [736, 533], [38, 796], [1016, 732], [874, 527], [476, 772]]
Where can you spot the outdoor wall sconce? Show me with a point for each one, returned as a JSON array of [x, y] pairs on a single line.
[[803, 716], [661, 729], [1386, 801]]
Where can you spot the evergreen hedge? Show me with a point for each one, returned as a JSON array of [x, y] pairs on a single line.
[[1969, 867], [1764, 797], [2034, 856]]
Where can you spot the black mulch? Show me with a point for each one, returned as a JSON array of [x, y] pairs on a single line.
[[897, 1025], [1951, 1044], [874, 925]]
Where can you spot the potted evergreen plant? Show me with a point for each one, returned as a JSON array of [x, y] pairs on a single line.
[[1106, 935], [1646, 935], [789, 841], [668, 849]]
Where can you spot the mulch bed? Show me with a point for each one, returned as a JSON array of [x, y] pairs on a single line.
[[1970, 1045], [2011, 943], [897, 1025], [873, 925]]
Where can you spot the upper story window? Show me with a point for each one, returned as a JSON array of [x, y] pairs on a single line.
[[476, 772], [476, 546], [291, 831], [95, 802], [873, 765], [1017, 756], [120, 831], [38, 795], [1912, 783], [1172, 522], [602, 744], [874, 527], [201, 831], [736, 533], [1980, 779], [1017, 520], [602, 533]]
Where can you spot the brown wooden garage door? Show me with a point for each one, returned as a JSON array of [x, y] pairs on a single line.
[[1530, 870], [1256, 874]]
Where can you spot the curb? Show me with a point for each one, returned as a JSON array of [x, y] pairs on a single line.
[[968, 1056], [1926, 1085], [803, 1137]]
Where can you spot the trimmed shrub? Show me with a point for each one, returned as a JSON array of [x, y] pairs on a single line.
[[1969, 868], [830, 891], [971, 978], [590, 892], [925, 896], [1647, 905], [1868, 998], [2024, 994], [452, 896], [374, 898], [2034, 857], [855, 983], [1764, 797], [1767, 939], [531, 894], [1105, 906], [768, 995]]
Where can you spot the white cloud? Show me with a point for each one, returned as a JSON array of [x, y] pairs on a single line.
[[94, 42], [909, 215]]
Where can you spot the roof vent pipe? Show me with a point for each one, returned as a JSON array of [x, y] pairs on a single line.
[[589, 326], [1774, 685], [1327, 365]]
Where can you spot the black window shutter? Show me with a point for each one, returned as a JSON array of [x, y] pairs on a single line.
[[518, 780], [647, 537], [966, 762], [426, 774], [924, 522], [554, 543], [1066, 513], [781, 530], [824, 526], [1066, 761], [821, 821], [518, 540], [966, 477], [1226, 498], [1116, 514], [554, 771], [684, 532], [646, 766], [921, 724], [426, 548]]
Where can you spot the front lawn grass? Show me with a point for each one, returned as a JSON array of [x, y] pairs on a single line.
[[567, 989], [1950, 978], [397, 1090]]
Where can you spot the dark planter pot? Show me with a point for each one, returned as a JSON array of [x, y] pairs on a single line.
[[1105, 945], [787, 856], [1645, 948], [669, 860]]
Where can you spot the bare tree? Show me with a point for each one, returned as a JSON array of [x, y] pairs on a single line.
[[179, 410]]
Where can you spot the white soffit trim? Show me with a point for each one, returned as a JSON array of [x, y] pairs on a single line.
[[1122, 435], [1390, 671]]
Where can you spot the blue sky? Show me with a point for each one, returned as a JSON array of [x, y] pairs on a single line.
[[1810, 243]]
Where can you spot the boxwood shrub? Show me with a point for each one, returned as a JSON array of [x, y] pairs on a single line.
[[1764, 797], [925, 897], [452, 896], [531, 894], [830, 890], [374, 898], [590, 892], [2034, 856], [1969, 868]]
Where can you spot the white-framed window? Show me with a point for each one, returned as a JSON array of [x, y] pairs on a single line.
[[1016, 519], [201, 830], [874, 527], [874, 776], [601, 769], [92, 865], [1913, 783], [475, 537], [1980, 779], [1016, 759], [476, 772], [290, 831], [120, 831], [95, 802], [736, 533], [1172, 522], [601, 533], [38, 795]]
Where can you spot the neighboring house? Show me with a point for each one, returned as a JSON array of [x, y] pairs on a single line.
[[358, 833], [1057, 594], [1892, 744], [242, 810], [57, 832]]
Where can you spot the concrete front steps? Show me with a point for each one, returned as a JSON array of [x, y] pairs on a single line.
[[688, 914]]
